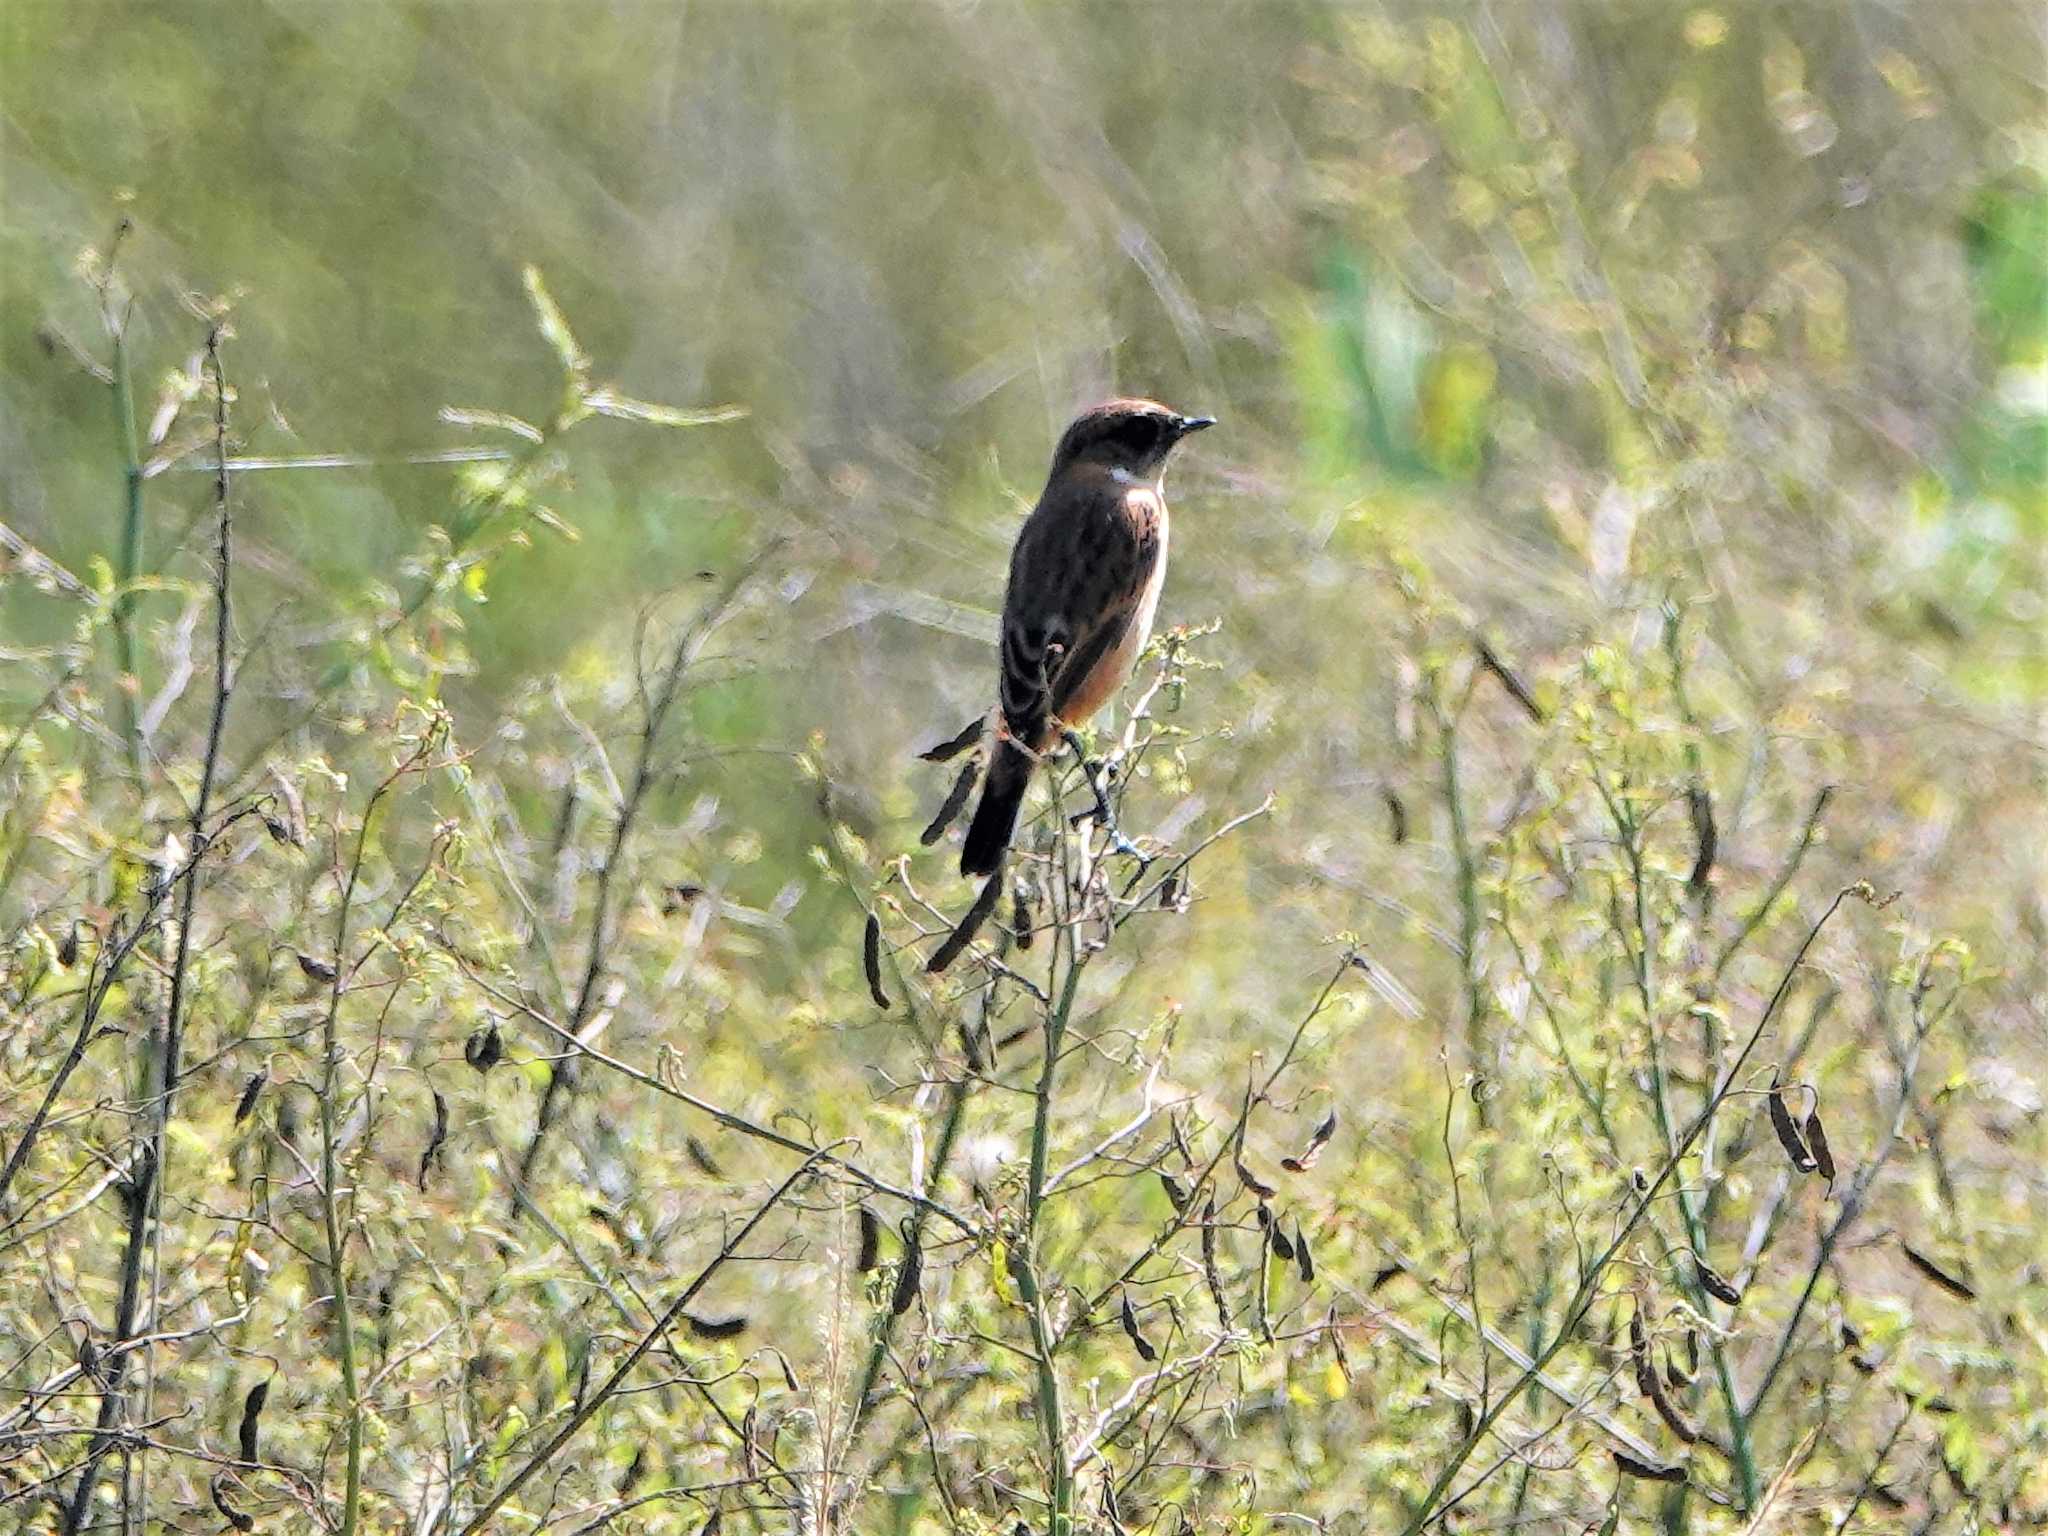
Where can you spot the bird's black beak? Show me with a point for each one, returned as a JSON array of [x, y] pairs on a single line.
[[1192, 424]]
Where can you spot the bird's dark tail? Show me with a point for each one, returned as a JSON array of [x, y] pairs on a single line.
[[995, 818]]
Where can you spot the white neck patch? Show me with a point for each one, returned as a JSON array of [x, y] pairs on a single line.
[[1123, 476]]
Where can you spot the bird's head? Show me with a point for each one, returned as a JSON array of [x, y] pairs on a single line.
[[1132, 437]]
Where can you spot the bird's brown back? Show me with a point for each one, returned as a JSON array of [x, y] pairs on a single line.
[[1085, 572]]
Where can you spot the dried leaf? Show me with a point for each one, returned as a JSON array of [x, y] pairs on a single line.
[[485, 1047], [1705, 837], [252, 1415], [1250, 1180], [435, 1138], [870, 1241], [1817, 1143], [1714, 1284], [1129, 1317], [1630, 1466], [953, 746], [1210, 1274], [1788, 1133], [700, 1156], [907, 1276], [1505, 676], [949, 808], [251, 1091], [871, 960], [241, 1520], [1174, 1190], [1276, 1235], [1954, 1285], [716, 1327], [1304, 1261], [1317, 1140], [961, 937]]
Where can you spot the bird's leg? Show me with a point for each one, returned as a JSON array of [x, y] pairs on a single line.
[[1103, 811]]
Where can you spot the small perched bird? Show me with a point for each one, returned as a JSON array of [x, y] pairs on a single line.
[[1084, 585]]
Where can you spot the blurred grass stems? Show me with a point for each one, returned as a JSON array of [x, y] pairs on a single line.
[[1437, 1499], [1629, 833], [144, 1238], [655, 710], [596, 1400]]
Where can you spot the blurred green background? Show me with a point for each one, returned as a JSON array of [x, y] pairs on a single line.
[[1562, 295], [1582, 304], [1529, 322]]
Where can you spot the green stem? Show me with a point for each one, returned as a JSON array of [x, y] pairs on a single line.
[[1052, 1418], [131, 547]]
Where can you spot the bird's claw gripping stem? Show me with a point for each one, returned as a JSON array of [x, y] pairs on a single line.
[[1101, 811]]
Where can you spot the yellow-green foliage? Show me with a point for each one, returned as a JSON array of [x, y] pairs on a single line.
[[1602, 680]]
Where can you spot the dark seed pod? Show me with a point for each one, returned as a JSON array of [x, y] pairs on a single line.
[[870, 1241], [1714, 1284], [700, 1156], [716, 1327], [1639, 1351], [871, 960], [1668, 1411], [316, 970], [1304, 1160], [1651, 1471], [1276, 1236], [1249, 1180], [1210, 1273], [788, 1373], [1174, 1191], [1013, 1037], [676, 897], [279, 832], [953, 746], [251, 1091], [1953, 1284], [1169, 893], [67, 947], [485, 1047], [252, 1417], [1381, 1276], [1817, 1143], [435, 1138], [1304, 1261], [1788, 1133], [970, 925], [1701, 804], [1674, 1374], [1022, 919], [630, 1478], [240, 1519], [1337, 1348], [1397, 817], [949, 808], [907, 1276], [1129, 1318]]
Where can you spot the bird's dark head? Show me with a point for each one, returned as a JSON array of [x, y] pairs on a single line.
[[1133, 436]]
